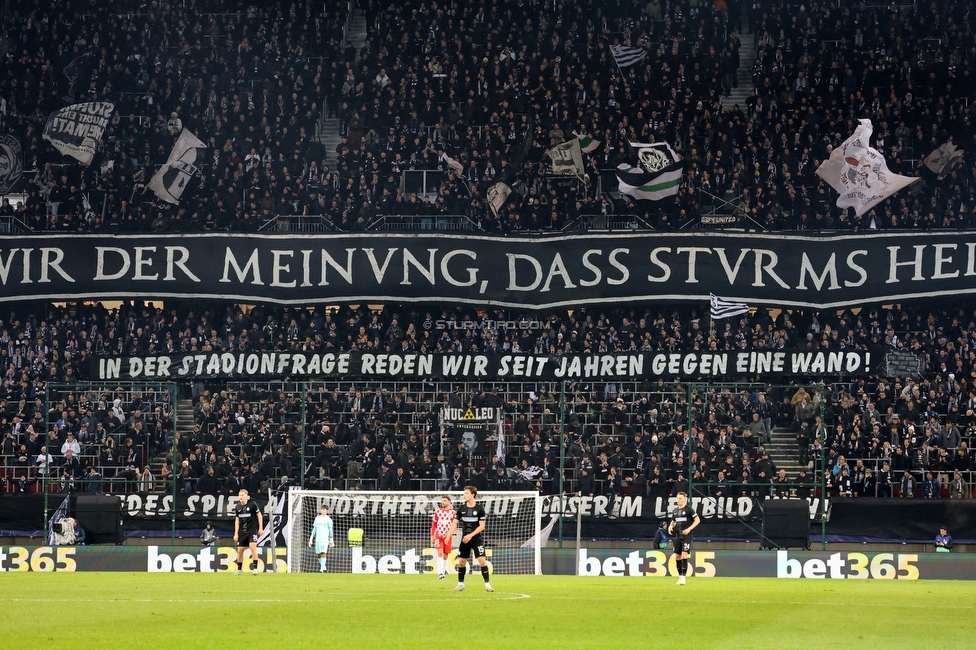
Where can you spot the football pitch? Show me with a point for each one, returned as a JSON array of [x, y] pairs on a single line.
[[140, 610]]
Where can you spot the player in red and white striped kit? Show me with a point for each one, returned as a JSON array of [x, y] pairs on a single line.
[[441, 533]]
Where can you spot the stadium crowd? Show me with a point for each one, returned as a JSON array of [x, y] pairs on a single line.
[[622, 437], [493, 85]]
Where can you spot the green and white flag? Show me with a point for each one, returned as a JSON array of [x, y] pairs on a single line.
[[656, 174], [587, 144]]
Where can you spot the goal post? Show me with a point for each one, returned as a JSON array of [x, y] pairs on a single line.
[[389, 532]]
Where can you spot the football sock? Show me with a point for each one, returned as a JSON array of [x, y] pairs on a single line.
[[484, 572], [254, 565], [240, 565], [684, 567], [461, 570], [322, 563], [680, 567]]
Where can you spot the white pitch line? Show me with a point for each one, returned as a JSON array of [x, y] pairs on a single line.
[[345, 599], [769, 602]]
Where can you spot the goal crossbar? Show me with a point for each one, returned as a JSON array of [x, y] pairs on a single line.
[[389, 532]]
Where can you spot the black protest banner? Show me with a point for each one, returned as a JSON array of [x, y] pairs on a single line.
[[692, 364], [529, 272]]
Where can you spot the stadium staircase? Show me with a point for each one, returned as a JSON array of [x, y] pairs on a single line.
[[783, 451], [184, 424], [329, 131], [747, 58]]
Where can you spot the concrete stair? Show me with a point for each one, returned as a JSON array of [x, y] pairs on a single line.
[[329, 127], [184, 424], [783, 451], [747, 58]]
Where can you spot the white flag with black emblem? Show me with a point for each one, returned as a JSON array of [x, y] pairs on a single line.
[[859, 172], [171, 179]]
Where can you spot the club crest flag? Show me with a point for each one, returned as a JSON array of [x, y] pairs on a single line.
[[567, 159], [76, 130], [655, 175], [11, 162], [859, 172], [943, 160], [171, 179]]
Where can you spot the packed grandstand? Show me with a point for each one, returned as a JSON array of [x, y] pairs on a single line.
[[468, 97]]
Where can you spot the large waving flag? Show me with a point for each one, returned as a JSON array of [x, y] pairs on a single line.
[[566, 158], [943, 160], [626, 55], [171, 179], [497, 195], [656, 174], [859, 172], [76, 130]]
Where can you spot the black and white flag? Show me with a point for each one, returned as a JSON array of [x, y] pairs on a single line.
[[76, 130], [75, 71], [11, 162], [567, 159], [655, 175], [626, 55], [725, 308], [497, 196], [171, 179], [859, 172], [944, 160]]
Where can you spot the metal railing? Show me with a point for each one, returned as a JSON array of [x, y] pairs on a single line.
[[300, 223], [607, 223], [420, 223], [13, 226]]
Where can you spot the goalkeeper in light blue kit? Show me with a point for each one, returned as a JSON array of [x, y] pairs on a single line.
[[322, 536]]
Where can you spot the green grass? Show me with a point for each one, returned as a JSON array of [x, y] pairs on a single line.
[[139, 610]]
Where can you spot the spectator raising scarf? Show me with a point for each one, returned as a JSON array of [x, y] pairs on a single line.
[[859, 172]]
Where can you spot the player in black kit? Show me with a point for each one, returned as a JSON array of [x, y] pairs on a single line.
[[472, 520], [248, 526], [683, 521]]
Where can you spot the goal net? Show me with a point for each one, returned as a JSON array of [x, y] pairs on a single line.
[[389, 532]]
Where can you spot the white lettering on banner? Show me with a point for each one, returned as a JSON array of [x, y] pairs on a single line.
[[211, 560], [400, 505], [643, 563], [841, 566], [605, 366], [409, 563], [42, 559], [195, 505]]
